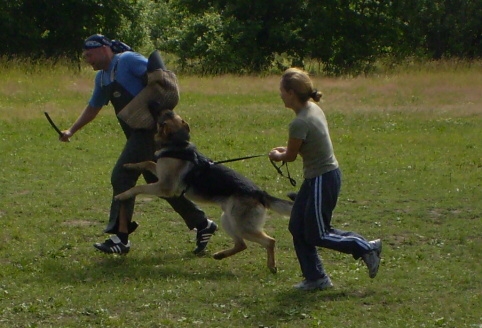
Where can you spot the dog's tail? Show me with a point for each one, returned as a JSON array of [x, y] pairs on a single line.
[[292, 195], [279, 205]]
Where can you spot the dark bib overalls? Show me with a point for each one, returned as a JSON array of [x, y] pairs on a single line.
[[140, 147]]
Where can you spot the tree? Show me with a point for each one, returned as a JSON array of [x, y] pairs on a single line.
[[229, 36], [243, 36], [56, 28], [347, 36], [440, 28]]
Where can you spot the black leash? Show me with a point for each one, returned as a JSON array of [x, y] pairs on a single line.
[[238, 159], [278, 168]]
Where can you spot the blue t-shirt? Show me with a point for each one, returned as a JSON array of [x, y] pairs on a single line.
[[128, 69]]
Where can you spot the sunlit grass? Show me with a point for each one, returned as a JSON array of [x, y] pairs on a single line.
[[408, 144]]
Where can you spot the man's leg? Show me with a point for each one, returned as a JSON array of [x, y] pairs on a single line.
[[194, 217], [138, 148]]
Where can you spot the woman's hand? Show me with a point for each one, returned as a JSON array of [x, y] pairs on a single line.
[[276, 154], [286, 154]]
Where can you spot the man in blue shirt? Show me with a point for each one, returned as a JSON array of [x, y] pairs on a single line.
[[121, 76]]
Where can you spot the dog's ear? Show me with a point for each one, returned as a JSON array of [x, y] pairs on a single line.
[[162, 122], [166, 130], [185, 125], [162, 130]]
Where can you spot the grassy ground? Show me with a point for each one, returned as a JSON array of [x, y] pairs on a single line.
[[409, 147]]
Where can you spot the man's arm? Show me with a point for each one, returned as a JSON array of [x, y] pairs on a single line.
[[87, 116]]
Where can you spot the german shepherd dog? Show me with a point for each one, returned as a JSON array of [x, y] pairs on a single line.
[[181, 169]]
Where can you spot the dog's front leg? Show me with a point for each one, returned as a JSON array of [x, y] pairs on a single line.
[[154, 189], [142, 166], [168, 184]]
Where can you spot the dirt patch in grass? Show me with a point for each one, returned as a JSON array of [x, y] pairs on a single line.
[[77, 223]]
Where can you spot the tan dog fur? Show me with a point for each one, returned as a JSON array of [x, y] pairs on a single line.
[[243, 216]]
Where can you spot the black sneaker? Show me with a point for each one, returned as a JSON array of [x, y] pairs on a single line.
[[113, 245], [203, 236]]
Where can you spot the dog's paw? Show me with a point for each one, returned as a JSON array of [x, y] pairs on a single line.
[[292, 195], [121, 197], [130, 166], [273, 269], [219, 256]]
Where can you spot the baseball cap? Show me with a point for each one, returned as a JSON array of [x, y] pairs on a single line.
[[96, 41]]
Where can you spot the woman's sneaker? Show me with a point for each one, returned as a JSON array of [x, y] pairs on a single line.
[[113, 245], [320, 284], [372, 258]]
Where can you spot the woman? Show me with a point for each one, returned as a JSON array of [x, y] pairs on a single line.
[[310, 221]]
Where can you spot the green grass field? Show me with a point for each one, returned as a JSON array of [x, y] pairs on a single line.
[[409, 146]]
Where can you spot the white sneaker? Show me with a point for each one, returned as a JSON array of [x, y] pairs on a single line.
[[372, 258], [321, 284]]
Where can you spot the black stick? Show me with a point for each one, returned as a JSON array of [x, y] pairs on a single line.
[[53, 124]]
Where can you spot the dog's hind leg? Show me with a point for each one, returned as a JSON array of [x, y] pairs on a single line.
[[239, 244], [267, 242]]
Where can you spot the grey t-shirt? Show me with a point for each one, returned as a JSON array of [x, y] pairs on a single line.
[[310, 125]]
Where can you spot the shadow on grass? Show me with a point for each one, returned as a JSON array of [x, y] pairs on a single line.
[[293, 305], [289, 306], [101, 267], [304, 298]]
